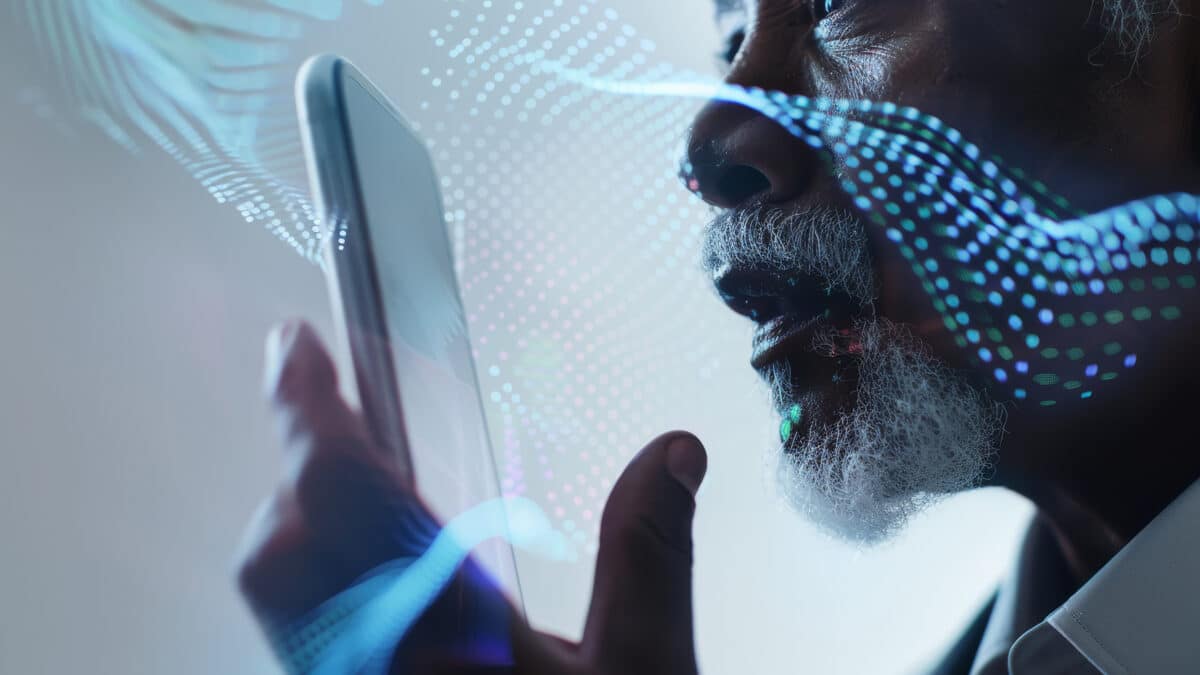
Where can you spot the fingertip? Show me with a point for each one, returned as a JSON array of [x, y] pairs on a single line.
[[297, 365], [687, 461], [680, 452]]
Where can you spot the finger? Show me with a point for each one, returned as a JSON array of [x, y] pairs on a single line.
[[640, 618], [301, 382], [278, 569], [349, 494]]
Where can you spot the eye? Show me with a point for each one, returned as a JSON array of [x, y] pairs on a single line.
[[823, 8], [733, 45]]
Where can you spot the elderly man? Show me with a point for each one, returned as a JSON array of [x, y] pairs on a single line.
[[881, 407]]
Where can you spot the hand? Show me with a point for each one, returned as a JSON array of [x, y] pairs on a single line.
[[343, 510]]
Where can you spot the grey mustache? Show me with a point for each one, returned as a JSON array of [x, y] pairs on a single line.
[[822, 242]]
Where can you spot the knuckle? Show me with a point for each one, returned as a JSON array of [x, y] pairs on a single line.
[[271, 543], [642, 536], [250, 571]]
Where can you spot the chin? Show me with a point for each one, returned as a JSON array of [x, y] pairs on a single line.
[[888, 432]]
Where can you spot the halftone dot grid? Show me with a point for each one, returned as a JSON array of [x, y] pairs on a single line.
[[570, 226], [557, 132]]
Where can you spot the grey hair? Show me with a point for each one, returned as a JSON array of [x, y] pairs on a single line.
[[1132, 23]]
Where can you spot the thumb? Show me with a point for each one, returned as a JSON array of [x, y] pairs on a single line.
[[640, 618]]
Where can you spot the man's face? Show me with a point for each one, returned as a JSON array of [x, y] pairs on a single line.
[[880, 408]]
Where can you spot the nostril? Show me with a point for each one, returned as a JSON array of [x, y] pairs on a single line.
[[738, 184]]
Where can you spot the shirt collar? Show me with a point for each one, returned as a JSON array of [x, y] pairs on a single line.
[[1137, 614], [1038, 581]]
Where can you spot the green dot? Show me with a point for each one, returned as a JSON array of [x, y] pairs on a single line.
[[1170, 312], [1112, 348], [785, 430], [1071, 385], [1075, 353], [1109, 377], [1114, 317], [1050, 353], [1161, 283], [1141, 313], [1186, 281], [1046, 379], [1047, 404], [1066, 320], [1089, 318], [794, 413]]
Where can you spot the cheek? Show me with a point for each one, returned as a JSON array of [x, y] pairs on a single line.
[[903, 299]]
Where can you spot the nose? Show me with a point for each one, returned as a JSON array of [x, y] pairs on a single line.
[[737, 156]]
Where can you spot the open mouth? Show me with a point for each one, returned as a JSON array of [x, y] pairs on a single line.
[[791, 311]]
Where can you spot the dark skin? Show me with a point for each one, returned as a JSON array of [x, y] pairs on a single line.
[[1038, 81], [343, 508], [1040, 84]]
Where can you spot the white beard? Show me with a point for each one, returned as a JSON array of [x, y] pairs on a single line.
[[917, 433]]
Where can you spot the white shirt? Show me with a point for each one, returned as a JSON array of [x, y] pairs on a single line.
[[1139, 615]]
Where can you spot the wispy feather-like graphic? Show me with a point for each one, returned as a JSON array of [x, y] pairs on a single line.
[[206, 82]]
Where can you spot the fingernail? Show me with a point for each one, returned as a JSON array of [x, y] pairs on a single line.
[[687, 462], [277, 343]]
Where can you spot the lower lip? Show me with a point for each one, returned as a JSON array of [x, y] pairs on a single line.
[[782, 335]]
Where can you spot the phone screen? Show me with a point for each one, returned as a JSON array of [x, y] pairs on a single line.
[[405, 230]]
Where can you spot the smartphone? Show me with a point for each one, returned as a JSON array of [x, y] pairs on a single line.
[[395, 296]]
